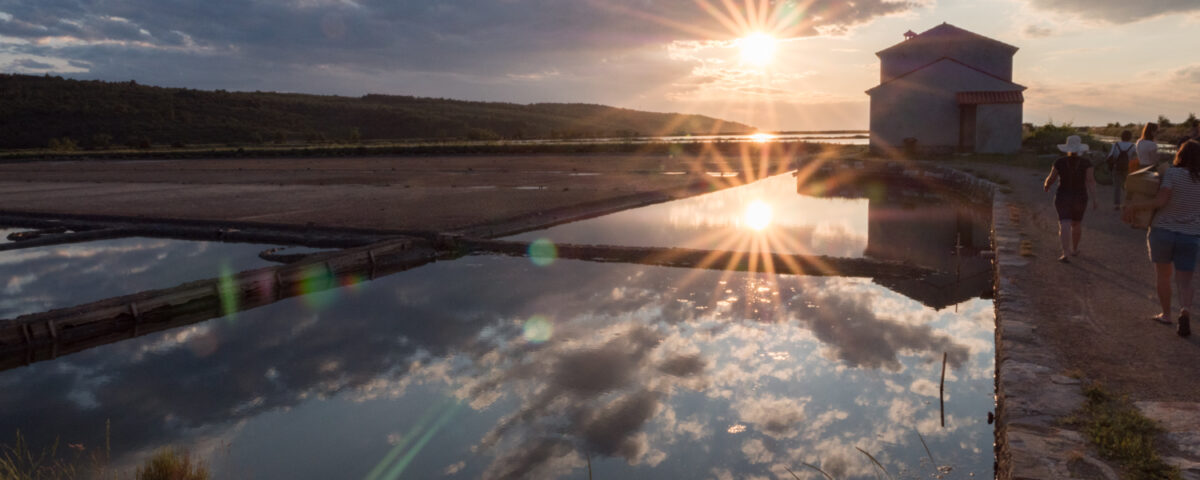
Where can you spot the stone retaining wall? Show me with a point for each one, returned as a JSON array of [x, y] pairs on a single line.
[[1031, 391]]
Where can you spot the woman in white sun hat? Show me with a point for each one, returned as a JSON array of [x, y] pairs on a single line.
[[1075, 186]]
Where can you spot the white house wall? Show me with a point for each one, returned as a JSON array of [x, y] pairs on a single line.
[[923, 105], [998, 128]]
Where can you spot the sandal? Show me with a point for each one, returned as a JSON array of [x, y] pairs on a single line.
[[1160, 318], [1064, 259]]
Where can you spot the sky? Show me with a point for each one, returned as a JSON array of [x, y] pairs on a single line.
[[1085, 62]]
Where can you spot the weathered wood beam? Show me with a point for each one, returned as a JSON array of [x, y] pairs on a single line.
[[246, 232], [65, 238], [42, 336]]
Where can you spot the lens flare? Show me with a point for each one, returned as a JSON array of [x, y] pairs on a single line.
[[316, 287], [542, 252], [758, 215], [758, 48], [538, 329], [352, 283], [227, 290], [393, 465]]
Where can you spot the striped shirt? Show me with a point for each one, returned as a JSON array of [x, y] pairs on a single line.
[[1182, 213]]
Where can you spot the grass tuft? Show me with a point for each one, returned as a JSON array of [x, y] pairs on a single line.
[[877, 464], [1122, 434], [171, 464]]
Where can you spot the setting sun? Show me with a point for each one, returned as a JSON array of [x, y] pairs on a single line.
[[758, 48], [758, 215]]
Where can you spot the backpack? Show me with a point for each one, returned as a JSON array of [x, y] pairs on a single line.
[[1123, 162]]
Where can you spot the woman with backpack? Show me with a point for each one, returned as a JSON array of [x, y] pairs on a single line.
[[1119, 159], [1075, 185], [1174, 235]]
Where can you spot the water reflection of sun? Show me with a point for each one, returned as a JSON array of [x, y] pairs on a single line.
[[762, 137], [757, 31], [758, 215]]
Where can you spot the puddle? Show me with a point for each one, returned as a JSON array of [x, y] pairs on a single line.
[[491, 367]]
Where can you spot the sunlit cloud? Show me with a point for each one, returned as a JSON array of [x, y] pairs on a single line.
[[1117, 11]]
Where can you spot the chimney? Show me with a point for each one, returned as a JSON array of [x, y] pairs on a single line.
[[909, 35]]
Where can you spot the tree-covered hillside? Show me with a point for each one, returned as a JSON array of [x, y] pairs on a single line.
[[40, 111]]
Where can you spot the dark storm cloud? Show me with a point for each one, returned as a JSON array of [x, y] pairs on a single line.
[[470, 37], [1118, 11]]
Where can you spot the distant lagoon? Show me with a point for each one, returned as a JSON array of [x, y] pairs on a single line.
[[838, 137]]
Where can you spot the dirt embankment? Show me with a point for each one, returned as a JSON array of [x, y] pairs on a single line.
[[483, 194]]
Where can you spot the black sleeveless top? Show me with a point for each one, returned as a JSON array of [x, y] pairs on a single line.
[[1072, 175]]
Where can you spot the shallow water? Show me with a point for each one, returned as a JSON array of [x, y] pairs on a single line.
[[37, 279], [492, 367], [858, 138], [725, 220]]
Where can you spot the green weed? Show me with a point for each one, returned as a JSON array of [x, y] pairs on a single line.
[[172, 464], [1122, 434]]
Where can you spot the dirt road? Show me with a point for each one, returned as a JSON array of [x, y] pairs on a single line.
[[1095, 310]]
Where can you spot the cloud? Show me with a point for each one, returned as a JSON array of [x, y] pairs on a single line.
[[1188, 74], [777, 417], [855, 334], [1097, 103], [391, 47], [31, 64], [1117, 11], [1038, 31]]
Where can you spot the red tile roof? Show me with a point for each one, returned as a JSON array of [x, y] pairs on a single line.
[[982, 98]]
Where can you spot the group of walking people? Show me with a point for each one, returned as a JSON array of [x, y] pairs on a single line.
[[1173, 236]]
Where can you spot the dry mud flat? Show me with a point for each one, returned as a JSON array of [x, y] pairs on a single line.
[[478, 194]]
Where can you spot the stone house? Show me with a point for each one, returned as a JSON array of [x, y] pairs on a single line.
[[946, 90]]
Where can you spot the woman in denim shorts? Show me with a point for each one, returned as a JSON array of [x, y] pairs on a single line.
[[1174, 236]]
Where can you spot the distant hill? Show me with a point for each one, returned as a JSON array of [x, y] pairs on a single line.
[[38, 111]]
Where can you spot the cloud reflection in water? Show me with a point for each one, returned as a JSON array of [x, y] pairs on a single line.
[[643, 373], [43, 278]]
